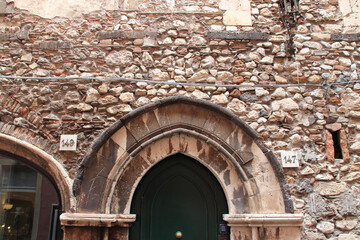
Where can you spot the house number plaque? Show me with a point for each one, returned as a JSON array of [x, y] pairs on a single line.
[[290, 159], [68, 142]]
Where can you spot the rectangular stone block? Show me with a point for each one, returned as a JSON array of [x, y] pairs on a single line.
[[49, 45], [7, 36], [321, 36], [256, 36], [235, 5], [65, 44], [237, 18], [141, 127], [2, 6], [352, 19], [345, 7], [345, 37], [128, 4]]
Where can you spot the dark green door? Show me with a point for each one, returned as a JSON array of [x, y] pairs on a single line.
[[178, 195]]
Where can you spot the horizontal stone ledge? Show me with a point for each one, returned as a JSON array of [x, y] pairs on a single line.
[[20, 35], [264, 220], [117, 34], [345, 37], [8, 36], [256, 36], [54, 45], [96, 220]]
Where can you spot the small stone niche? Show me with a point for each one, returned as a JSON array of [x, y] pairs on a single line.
[[336, 143]]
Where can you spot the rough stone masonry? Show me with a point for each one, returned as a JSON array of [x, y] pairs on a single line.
[[76, 69]]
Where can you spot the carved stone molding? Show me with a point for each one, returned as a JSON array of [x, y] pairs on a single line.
[[265, 226], [96, 220], [264, 220]]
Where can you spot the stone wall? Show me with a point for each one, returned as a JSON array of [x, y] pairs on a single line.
[[296, 85]]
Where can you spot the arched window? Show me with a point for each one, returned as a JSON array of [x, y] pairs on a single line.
[[29, 202]]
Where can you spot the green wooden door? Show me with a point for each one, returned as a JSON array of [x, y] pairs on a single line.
[[178, 195]]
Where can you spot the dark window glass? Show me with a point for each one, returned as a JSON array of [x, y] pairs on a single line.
[[337, 146], [27, 202]]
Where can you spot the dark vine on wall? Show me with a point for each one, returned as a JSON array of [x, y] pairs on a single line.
[[290, 16]]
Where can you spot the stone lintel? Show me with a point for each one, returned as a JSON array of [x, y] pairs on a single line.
[[126, 34], [96, 220], [256, 36], [333, 126], [345, 37], [264, 220]]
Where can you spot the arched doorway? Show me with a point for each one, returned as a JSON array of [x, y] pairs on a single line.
[[29, 201], [258, 198], [178, 195]]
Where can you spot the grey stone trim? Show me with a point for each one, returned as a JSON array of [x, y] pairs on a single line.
[[125, 34], [8, 36], [354, 37], [117, 34], [49, 45], [255, 36], [64, 44], [54, 45], [21, 34]]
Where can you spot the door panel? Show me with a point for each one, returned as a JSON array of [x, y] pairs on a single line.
[[178, 206], [178, 194]]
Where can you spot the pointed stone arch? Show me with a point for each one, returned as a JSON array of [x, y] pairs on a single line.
[[250, 174], [197, 128]]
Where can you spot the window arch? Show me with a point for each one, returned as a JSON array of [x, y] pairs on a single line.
[[29, 201]]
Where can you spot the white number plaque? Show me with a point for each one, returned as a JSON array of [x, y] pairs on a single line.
[[68, 142], [290, 159]]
